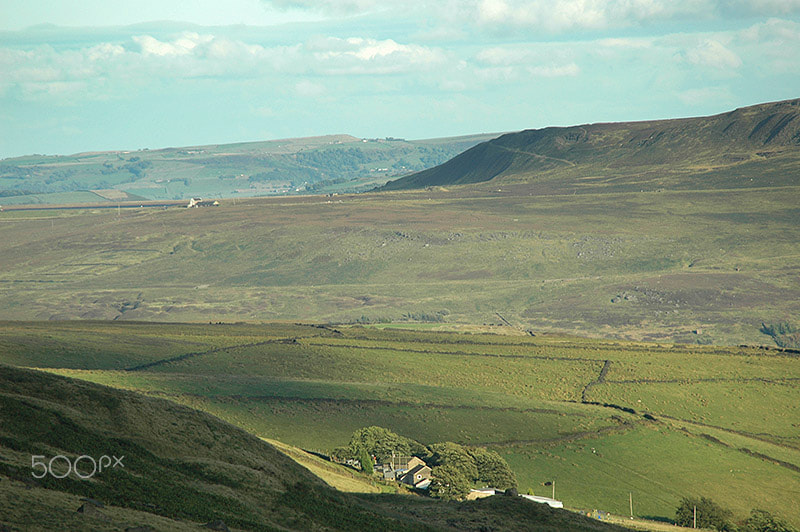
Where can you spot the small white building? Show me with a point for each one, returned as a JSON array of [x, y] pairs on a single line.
[[481, 493], [544, 500]]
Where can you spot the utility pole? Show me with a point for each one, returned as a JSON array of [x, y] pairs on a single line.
[[630, 497], [694, 521], [554, 489]]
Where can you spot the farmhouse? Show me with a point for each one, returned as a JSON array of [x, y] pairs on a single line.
[[409, 470], [419, 476], [200, 202]]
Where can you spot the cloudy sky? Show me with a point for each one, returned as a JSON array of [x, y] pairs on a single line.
[[96, 75]]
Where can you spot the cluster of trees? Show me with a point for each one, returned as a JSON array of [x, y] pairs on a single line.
[[137, 166], [380, 443], [709, 514], [455, 468]]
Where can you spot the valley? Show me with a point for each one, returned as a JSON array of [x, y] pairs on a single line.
[[602, 418]]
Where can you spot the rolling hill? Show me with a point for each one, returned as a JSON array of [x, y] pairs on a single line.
[[181, 468], [605, 419], [326, 164], [747, 147]]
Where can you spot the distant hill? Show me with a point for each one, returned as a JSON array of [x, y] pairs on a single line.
[[332, 163], [182, 469], [740, 148]]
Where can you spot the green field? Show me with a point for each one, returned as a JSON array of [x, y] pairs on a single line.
[[179, 469], [678, 420]]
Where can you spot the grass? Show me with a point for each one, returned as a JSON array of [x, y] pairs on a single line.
[[182, 468], [337, 476], [546, 263], [719, 420]]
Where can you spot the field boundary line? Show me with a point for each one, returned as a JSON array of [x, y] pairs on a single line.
[[186, 356]]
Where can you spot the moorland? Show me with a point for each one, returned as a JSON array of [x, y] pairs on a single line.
[[650, 244], [612, 307]]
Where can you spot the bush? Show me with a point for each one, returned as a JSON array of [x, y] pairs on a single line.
[[709, 514], [763, 521]]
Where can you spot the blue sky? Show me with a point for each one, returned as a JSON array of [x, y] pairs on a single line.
[[98, 75]]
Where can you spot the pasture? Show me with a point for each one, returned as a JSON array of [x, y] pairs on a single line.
[[603, 418]]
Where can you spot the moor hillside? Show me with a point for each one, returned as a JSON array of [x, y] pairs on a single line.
[[749, 147]]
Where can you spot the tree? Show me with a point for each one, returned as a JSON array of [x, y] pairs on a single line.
[[763, 521], [709, 514], [381, 443], [366, 462], [456, 456], [448, 482], [478, 464], [493, 469]]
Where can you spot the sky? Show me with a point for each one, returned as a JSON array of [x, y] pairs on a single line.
[[97, 75]]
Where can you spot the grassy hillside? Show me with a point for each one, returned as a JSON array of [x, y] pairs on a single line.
[[602, 418], [748, 147], [333, 163], [183, 468]]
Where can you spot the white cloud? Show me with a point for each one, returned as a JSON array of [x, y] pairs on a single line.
[[551, 15], [760, 7], [563, 15], [775, 43], [773, 29], [501, 61], [357, 55], [309, 89], [555, 71], [705, 95], [625, 43], [712, 53], [336, 7], [183, 45]]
